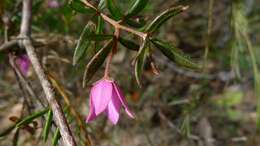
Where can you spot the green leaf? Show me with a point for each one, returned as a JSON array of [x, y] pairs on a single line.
[[16, 137], [83, 43], [100, 37], [100, 25], [139, 62], [174, 54], [47, 125], [31, 117], [78, 6], [114, 10], [101, 4], [129, 44], [96, 62], [137, 7], [56, 137], [135, 24], [163, 17]]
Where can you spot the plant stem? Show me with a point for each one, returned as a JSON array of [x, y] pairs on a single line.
[[116, 24], [110, 57]]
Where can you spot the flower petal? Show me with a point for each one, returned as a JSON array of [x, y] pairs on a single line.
[[122, 100], [91, 116], [101, 95], [113, 110]]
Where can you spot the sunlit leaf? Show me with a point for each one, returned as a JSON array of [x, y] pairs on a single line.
[[114, 10], [96, 62], [174, 54], [83, 43], [56, 137], [163, 17], [101, 4], [129, 44], [31, 117], [78, 6], [137, 7], [47, 125]]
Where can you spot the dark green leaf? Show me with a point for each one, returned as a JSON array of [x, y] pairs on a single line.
[[163, 17], [78, 6], [7, 131], [96, 62], [56, 137], [129, 44], [47, 126], [135, 24], [174, 54], [114, 10], [139, 62], [100, 37], [83, 43], [31, 117], [137, 7]]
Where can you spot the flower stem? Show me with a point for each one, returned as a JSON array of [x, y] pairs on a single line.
[[110, 57]]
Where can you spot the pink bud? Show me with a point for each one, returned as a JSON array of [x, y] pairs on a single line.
[[106, 96], [23, 63], [53, 4]]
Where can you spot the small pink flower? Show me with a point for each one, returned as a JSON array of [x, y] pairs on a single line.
[[105, 96], [23, 63], [53, 4]]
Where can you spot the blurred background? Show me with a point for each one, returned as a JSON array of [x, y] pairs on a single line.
[[216, 106]]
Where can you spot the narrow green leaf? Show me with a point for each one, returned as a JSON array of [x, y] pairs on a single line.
[[16, 137], [56, 137], [83, 43], [100, 25], [7, 131], [78, 6], [135, 24], [101, 4], [47, 126], [139, 62], [137, 7], [96, 62], [100, 37], [163, 17], [31, 117], [129, 44], [114, 10], [174, 54]]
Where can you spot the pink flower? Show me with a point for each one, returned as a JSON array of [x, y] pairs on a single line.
[[105, 96], [23, 63], [53, 4]]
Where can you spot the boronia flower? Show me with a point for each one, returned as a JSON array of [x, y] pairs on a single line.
[[106, 96], [23, 63]]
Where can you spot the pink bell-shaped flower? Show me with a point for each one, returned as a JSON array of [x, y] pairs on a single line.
[[23, 63], [106, 96]]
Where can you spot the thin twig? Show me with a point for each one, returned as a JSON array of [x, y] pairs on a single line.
[[8, 45], [58, 114], [73, 111]]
